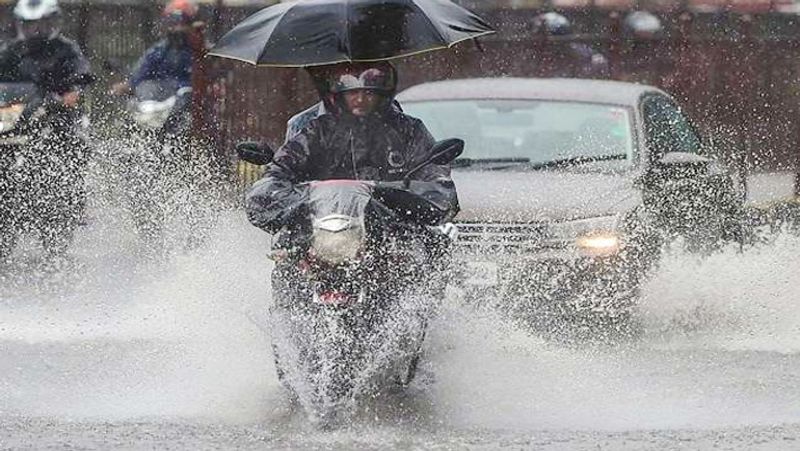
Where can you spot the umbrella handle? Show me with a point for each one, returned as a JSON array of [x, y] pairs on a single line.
[[478, 45]]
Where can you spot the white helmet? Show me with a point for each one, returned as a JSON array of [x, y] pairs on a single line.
[[643, 24], [36, 9], [38, 18]]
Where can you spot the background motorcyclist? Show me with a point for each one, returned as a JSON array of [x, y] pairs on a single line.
[[47, 191], [179, 159], [362, 137], [560, 54], [170, 59], [647, 60], [41, 55]]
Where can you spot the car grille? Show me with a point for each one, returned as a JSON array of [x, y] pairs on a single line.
[[505, 237]]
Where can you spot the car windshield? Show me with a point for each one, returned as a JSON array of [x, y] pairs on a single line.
[[532, 132]]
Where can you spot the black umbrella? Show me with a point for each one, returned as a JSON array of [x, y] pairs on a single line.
[[317, 32]]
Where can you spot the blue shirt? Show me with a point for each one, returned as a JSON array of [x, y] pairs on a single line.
[[163, 61]]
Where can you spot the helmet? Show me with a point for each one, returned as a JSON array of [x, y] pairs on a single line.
[[179, 13], [38, 19], [30, 10], [552, 24], [375, 77], [379, 78], [642, 24]]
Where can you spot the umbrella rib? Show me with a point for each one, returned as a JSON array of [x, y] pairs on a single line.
[[278, 24], [432, 23], [348, 35]]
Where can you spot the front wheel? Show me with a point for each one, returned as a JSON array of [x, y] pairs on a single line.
[[315, 357], [410, 372], [57, 227], [280, 372]]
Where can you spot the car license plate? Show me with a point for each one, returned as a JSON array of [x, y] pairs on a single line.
[[481, 274]]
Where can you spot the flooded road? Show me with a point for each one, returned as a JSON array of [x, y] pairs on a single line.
[[119, 350]]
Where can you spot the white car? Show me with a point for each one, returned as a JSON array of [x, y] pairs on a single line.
[[569, 188]]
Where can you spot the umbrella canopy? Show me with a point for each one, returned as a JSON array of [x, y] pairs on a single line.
[[318, 32]]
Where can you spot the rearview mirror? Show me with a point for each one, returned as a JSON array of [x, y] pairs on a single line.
[[443, 152], [446, 151], [254, 152]]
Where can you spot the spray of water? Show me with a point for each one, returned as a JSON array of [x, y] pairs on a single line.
[[705, 357], [120, 336]]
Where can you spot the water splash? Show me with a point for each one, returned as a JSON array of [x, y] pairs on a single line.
[[175, 338]]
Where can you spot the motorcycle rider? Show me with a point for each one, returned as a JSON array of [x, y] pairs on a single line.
[[560, 55], [362, 136], [181, 160], [40, 55], [646, 60], [169, 59], [320, 78]]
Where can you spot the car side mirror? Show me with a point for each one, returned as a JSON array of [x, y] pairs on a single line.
[[673, 166], [254, 152], [443, 152], [446, 151]]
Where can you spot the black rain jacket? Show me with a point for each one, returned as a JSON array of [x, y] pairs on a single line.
[[54, 65], [380, 147]]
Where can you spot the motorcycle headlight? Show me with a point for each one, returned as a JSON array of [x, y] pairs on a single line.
[[337, 238], [592, 237], [9, 116], [153, 114]]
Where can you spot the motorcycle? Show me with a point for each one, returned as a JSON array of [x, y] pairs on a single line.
[[148, 154], [354, 285], [161, 164], [43, 156], [161, 107]]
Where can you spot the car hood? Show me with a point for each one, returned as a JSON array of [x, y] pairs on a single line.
[[547, 195]]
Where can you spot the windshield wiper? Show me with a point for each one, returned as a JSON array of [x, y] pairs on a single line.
[[577, 160], [493, 163], [496, 164]]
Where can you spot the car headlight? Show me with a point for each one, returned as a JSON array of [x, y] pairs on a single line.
[[599, 244], [9, 116], [337, 238], [593, 237]]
